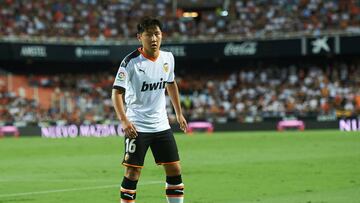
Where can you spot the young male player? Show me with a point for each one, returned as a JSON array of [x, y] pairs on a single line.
[[142, 78]]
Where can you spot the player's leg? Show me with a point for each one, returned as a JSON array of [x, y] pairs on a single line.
[[174, 184], [135, 151], [129, 183], [166, 153]]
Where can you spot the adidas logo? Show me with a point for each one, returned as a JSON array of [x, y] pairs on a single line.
[[153, 86]]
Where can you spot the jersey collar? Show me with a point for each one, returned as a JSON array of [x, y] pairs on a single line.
[[153, 59]]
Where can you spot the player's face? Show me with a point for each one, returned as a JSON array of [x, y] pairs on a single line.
[[151, 39]]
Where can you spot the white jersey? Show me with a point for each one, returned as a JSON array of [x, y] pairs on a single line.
[[144, 81]]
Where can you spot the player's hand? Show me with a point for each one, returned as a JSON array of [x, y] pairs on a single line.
[[182, 122], [129, 129]]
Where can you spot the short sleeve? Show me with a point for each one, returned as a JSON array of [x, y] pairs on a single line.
[[171, 77], [122, 77]]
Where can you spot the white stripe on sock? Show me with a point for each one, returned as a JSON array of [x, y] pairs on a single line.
[[169, 185]]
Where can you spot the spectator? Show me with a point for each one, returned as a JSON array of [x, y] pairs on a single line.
[[247, 95], [101, 20]]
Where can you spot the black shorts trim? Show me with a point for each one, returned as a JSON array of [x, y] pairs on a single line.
[[130, 165], [167, 163]]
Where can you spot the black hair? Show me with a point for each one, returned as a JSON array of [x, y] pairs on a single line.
[[146, 23]]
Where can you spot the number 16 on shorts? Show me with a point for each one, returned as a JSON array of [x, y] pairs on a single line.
[[130, 145]]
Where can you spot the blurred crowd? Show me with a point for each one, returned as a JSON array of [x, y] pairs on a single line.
[[255, 94], [96, 20], [244, 95], [78, 99]]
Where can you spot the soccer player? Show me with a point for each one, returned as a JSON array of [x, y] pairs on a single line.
[[142, 78]]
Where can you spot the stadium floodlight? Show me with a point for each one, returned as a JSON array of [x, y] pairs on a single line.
[[224, 13], [190, 14]]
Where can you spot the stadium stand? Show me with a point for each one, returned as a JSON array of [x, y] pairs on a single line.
[[93, 20], [244, 95]]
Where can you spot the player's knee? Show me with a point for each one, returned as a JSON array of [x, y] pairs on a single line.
[[172, 169], [132, 173]]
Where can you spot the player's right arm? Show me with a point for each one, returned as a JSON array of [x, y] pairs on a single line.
[[117, 95], [118, 102]]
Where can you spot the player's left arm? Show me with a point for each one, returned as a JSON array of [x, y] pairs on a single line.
[[173, 92]]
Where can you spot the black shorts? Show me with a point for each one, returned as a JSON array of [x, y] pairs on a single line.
[[162, 145]]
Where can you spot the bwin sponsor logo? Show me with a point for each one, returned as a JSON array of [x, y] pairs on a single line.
[[153, 86]]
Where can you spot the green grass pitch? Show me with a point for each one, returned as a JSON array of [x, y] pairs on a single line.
[[237, 167]]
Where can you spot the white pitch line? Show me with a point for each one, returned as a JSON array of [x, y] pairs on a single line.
[[72, 189], [56, 180]]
